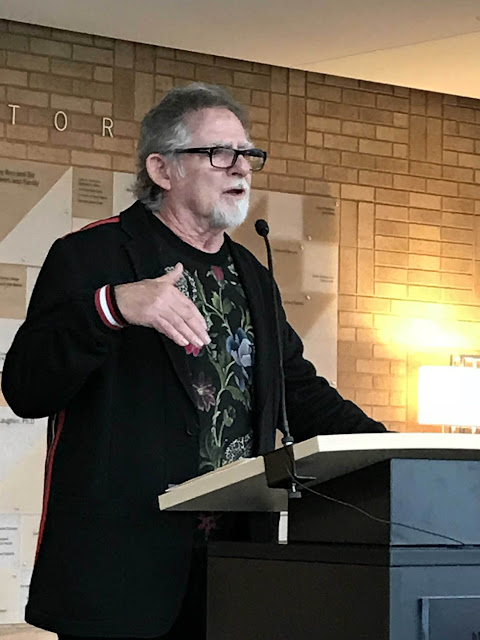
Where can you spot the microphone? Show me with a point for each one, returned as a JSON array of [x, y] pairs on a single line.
[[282, 460]]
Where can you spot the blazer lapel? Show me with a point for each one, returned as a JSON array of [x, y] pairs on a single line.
[[143, 253]]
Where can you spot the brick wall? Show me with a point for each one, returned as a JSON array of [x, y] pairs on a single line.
[[404, 164]]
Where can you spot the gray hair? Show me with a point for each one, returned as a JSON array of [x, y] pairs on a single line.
[[164, 129]]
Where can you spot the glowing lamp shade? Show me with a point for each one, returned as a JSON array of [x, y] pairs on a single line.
[[449, 396]]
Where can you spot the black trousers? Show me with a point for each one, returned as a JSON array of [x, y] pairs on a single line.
[[191, 621]]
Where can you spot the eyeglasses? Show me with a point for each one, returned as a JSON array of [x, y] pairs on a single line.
[[226, 157]]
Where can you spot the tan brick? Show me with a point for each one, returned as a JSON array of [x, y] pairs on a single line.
[[469, 191], [322, 188], [365, 273], [376, 178], [327, 156], [391, 196], [48, 154], [352, 348], [457, 235], [355, 380], [274, 165], [214, 75], [390, 274], [355, 192], [286, 183], [391, 243], [346, 303], [373, 366], [144, 58], [340, 81], [358, 129], [340, 174], [456, 264], [469, 130], [96, 90], [250, 80], [100, 160], [259, 131], [391, 228], [427, 169], [71, 103], [92, 124], [27, 133], [451, 250], [458, 173], [417, 276], [12, 149], [365, 225], [296, 120], [279, 80], [427, 247], [390, 290], [391, 103], [375, 147], [450, 157], [101, 108], [355, 319], [469, 160], [424, 231], [358, 160], [27, 97], [458, 220], [373, 397], [344, 111], [71, 139], [71, 36], [296, 82], [143, 94], [9, 77], [394, 165], [13, 42], [391, 258], [260, 181], [361, 98], [233, 63], [27, 62], [457, 280], [49, 82], [278, 119], [390, 212], [425, 216], [288, 151], [376, 116], [27, 29], [345, 143], [392, 134], [454, 143], [304, 169], [425, 201], [398, 399], [398, 368], [442, 187], [400, 150], [434, 140], [348, 223], [347, 274], [50, 48], [423, 262], [124, 54], [459, 113], [315, 138], [400, 120], [323, 92], [72, 69], [114, 145], [92, 54], [104, 43], [315, 107], [389, 382], [329, 125]]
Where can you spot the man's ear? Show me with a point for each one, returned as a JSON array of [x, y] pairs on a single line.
[[158, 170]]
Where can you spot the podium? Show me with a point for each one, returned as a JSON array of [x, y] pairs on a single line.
[[390, 550]]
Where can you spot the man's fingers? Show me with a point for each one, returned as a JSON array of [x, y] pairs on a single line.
[[172, 276], [178, 331]]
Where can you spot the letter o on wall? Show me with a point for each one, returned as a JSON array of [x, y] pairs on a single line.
[[57, 118]]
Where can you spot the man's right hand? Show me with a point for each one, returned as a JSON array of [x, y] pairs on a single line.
[[157, 303]]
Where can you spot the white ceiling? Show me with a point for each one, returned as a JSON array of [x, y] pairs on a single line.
[[426, 44]]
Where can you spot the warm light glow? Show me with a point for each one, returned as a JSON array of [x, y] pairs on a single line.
[[426, 333], [449, 396]]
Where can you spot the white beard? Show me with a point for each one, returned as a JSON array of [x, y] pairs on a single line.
[[224, 216]]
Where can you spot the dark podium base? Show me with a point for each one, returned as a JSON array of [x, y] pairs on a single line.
[[332, 592]]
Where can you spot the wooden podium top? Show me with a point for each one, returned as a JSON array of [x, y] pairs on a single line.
[[242, 486]]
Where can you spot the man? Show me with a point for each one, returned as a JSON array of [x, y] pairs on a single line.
[[150, 344]]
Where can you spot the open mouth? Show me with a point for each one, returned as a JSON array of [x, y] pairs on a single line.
[[236, 192]]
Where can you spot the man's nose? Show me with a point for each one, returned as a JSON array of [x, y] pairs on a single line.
[[241, 167]]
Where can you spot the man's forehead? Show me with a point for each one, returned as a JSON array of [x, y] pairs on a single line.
[[217, 126]]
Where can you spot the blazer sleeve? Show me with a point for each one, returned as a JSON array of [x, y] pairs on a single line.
[[68, 333], [313, 406]]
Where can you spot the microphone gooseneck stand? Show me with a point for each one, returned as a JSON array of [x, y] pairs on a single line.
[[280, 465]]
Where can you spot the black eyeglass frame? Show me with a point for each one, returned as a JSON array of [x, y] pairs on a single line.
[[254, 152]]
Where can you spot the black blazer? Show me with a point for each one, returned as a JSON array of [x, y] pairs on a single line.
[[122, 427]]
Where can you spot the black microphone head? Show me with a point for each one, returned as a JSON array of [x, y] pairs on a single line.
[[261, 227]]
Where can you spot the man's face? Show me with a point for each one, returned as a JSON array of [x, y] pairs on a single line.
[[219, 196]]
